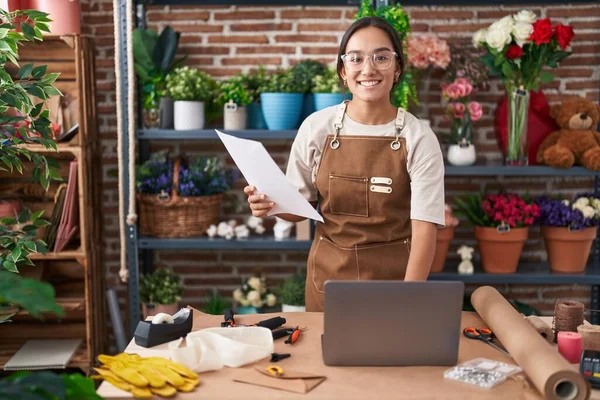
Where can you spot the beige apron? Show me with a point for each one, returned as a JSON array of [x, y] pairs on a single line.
[[364, 194]]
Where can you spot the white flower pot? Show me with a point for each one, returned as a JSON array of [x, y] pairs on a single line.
[[461, 156], [290, 308], [234, 117], [189, 115]]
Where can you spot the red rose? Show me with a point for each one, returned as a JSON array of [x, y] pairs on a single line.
[[542, 31], [564, 34], [514, 52]]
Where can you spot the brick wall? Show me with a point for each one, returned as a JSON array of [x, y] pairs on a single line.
[[227, 40]]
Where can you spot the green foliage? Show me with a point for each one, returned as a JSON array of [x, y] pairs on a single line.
[[160, 287], [254, 80], [47, 385], [327, 82], [292, 291], [34, 296], [304, 72], [234, 89], [216, 304], [406, 89], [17, 239], [190, 84], [470, 206], [281, 81], [153, 60]]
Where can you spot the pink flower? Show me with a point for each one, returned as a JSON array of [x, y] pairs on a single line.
[[475, 110], [459, 110], [426, 51]]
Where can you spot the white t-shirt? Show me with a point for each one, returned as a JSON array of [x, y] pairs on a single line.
[[425, 163]]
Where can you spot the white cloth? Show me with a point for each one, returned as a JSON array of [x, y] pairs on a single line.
[[425, 163]]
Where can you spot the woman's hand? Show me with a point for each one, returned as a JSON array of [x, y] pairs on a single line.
[[259, 204]]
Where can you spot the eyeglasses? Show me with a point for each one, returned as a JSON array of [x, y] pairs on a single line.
[[380, 60]]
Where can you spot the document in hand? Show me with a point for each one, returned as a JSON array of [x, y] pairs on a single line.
[[261, 171]]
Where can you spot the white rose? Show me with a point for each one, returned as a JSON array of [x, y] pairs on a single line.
[[584, 201], [522, 32], [566, 202], [252, 296], [577, 206], [526, 16], [238, 295], [257, 303], [255, 283], [588, 212], [271, 300], [505, 23], [479, 37], [497, 37], [244, 302], [596, 204]]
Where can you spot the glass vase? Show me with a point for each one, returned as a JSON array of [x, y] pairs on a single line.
[[516, 141]]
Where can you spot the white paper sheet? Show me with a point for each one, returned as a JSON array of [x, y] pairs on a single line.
[[261, 171]]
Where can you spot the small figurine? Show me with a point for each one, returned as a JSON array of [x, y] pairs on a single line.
[[466, 254], [282, 228]]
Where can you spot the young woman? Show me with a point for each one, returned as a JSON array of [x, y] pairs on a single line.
[[376, 171]]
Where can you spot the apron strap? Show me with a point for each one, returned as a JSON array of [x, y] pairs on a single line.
[[338, 123], [398, 126]]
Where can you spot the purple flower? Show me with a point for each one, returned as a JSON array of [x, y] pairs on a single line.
[[554, 212]]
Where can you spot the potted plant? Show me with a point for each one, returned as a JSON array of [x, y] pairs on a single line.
[[46, 385], [292, 294], [443, 239], [253, 295], [190, 88], [501, 227], [327, 90], [518, 48], [254, 81], [153, 60], [160, 292], [281, 98], [234, 96], [303, 74], [216, 304], [569, 229]]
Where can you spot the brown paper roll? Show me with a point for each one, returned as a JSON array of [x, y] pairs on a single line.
[[550, 373], [591, 336], [541, 327]]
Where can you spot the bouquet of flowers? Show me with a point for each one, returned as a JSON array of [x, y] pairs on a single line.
[[449, 219], [254, 293], [504, 209], [583, 212], [518, 47], [461, 110], [425, 53]]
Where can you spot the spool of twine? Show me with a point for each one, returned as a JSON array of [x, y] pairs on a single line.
[[568, 315], [591, 336]]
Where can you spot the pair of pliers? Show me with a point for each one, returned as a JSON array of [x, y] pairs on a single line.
[[292, 333]]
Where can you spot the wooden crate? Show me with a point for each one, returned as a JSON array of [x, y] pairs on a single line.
[[80, 288]]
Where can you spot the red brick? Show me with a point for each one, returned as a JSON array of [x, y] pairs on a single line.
[[208, 50], [251, 257], [587, 37], [268, 270], [199, 61], [104, 30], [324, 27], [579, 61], [350, 14], [461, 28], [305, 38], [178, 16], [257, 39], [195, 292], [437, 15], [203, 28], [251, 61], [581, 85], [419, 28], [501, 13], [573, 72], [200, 269], [243, 15], [573, 12], [261, 27], [301, 14], [586, 48], [320, 50], [98, 19], [583, 25], [266, 50], [187, 256]]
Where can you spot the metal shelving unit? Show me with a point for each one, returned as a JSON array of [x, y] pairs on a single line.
[[526, 274]]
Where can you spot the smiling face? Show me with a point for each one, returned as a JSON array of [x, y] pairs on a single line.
[[370, 84]]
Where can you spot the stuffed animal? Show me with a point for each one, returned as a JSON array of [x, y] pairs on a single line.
[[577, 141], [466, 254]]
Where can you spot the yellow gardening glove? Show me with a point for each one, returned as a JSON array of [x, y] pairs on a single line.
[[145, 377]]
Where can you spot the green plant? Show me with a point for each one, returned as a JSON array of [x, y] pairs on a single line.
[[281, 81], [234, 89], [303, 73], [292, 291], [17, 239], [254, 80], [153, 60], [216, 304], [190, 84], [47, 385], [160, 287], [327, 82], [406, 89]]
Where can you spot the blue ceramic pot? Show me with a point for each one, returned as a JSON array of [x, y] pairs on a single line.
[[324, 100], [256, 120], [308, 107], [247, 310], [282, 111]]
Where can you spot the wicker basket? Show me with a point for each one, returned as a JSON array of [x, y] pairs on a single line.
[[173, 216]]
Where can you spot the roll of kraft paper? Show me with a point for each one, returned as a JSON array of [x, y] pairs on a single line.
[[550, 373]]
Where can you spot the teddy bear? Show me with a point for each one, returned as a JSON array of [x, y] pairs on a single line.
[[577, 141]]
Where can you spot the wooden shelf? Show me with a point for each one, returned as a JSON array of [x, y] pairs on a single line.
[[61, 148], [62, 255], [8, 347], [74, 308]]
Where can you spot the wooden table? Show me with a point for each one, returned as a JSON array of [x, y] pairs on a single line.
[[342, 382]]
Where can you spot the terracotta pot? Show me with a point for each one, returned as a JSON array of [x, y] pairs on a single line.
[[149, 310], [568, 251], [65, 14], [9, 208], [500, 251], [444, 236]]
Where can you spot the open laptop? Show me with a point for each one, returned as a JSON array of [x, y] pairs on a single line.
[[392, 323]]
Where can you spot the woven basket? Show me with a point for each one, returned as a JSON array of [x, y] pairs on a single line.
[[173, 216]]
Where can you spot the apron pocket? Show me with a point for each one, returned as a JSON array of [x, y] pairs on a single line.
[[383, 261], [348, 195], [331, 262]]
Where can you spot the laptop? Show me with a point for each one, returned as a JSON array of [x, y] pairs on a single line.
[[392, 323]]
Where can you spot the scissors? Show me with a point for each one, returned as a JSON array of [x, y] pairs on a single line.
[[483, 334]]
